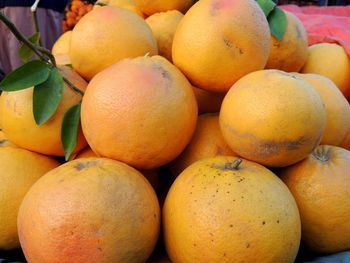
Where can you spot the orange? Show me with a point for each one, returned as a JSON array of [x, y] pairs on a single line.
[[19, 125], [61, 46], [219, 41], [331, 61], [321, 187], [127, 4], [273, 118], [208, 101], [220, 210], [89, 210], [150, 7], [207, 141], [153, 175], [289, 54], [20, 169], [337, 109], [163, 26], [106, 35], [140, 111]]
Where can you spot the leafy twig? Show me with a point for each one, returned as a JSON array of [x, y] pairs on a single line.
[[41, 52]]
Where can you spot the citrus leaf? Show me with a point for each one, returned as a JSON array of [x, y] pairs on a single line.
[[28, 75], [266, 5], [278, 23], [47, 96], [25, 53], [69, 131]]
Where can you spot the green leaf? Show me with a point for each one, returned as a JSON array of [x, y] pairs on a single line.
[[278, 23], [47, 96], [69, 131], [28, 75], [266, 5], [25, 53]]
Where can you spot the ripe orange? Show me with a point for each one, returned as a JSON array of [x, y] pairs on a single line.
[[218, 210], [140, 111], [321, 187], [89, 210], [127, 4], [331, 61], [61, 46], [20, 169], [289, 54], [273, 118], [208, 101], [20, 127], [219, 41], [207, 141], [163, 26], [106, 35], [337, 109], [150, 7]]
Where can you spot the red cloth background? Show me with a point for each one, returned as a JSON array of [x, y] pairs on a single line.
[[324, 23]]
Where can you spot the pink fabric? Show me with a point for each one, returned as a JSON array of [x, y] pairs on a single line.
[[324, 23], [50, 25]]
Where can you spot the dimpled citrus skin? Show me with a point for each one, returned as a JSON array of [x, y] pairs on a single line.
[[273, 118], [150, 7], [89, 210], [207, 141], [320, 185], [20, 169], [337, 108], [163, 26], [140, 111], [289, 54], [106, 35], [216, 213], [219, 41], [332, 61]]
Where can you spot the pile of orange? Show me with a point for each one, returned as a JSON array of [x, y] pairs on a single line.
[[193, 118]]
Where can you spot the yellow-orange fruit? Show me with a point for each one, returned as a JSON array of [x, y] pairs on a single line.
[[20, 169], [207, 141], [337, 109], [273, 118], [150, 7], [127, 4], [163, 26], [89, 210], [289, 54], [220, 210], [62, 44], [145, 110], [106, 35], [321, 187], [219, 41], [332, 61], [20, 127]]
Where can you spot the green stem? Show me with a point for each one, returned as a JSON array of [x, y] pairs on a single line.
[[36, 24], [70, 84]]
